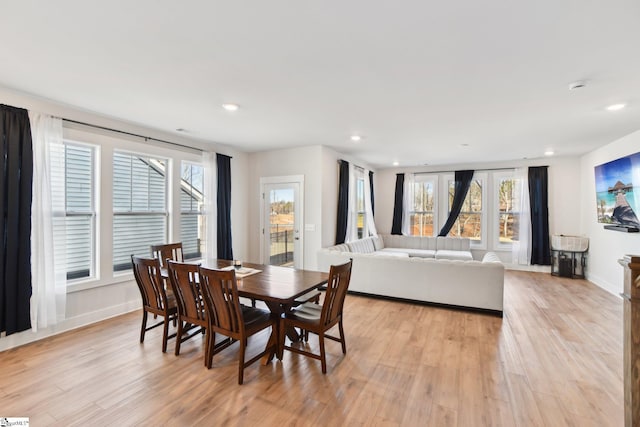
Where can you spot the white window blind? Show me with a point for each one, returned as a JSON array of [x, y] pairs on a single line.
[[139, 206]]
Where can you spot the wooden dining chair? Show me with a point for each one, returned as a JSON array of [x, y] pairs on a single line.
[[230, 318], [191, 306], [172, 251], [319, 319], [154, 297]]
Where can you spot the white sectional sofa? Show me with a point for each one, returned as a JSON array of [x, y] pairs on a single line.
[[438, 270]]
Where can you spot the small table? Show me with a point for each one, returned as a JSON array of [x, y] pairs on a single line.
[[277, 286]]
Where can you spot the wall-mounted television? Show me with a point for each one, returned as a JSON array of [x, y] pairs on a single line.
[[617, 199]]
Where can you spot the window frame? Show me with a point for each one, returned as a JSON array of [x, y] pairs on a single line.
[[498, 177], [360, 202], [92, 213], [483, 177], [126, 267], [201, 212], [420, 179]]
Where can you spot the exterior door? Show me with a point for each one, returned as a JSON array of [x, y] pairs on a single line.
[[282, 219]]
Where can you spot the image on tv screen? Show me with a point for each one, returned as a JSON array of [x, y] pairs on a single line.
[[616, 199]]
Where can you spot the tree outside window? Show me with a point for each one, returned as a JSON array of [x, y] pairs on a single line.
[[422, 215], [509, 217]]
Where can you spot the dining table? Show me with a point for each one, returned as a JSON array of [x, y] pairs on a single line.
[[276, 286]]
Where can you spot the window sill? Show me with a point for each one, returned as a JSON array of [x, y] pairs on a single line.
[[97, 283]]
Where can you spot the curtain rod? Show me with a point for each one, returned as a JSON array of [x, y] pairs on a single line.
[[474, 170], [146, 138], [354, 165]]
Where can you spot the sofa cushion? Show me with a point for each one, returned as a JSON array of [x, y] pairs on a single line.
[[421, 253], [454, 255], [363, 246], [340, 248], [391, 253], [453, 243]]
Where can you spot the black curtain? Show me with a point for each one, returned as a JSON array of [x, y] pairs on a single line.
[[373, 205], [461, 188], [15, 223], [343, 202], [539, 205], [225, 248], [396, 226]]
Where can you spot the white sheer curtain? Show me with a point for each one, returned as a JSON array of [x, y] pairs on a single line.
[[48, 252], [352, 214], [521, 249], [210, 205], [368, 209], [407, 203]]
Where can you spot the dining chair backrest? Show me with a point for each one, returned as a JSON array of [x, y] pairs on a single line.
[[220, 290], [149, 279], [172, 251], [184, 282], [337, 285]]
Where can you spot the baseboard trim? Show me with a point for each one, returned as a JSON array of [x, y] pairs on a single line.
[[28, 336]]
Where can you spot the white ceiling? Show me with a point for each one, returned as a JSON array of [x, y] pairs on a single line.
[[417, 78]]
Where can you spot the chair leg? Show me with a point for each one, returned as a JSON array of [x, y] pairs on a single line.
[[342, 340], [165, 334], [178, 337], [241, 361], [144, 325], [212, 345], [323, 357], [206, 346], [281, 337]]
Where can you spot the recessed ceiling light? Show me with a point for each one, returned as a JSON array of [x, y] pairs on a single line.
[[181, 130], [548, 153], [616, 107], [356, 138], [464, 145], [230, 107], [396, 163]]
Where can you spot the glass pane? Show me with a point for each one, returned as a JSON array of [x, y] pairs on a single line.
[[191, 230], [121, 182], [133, 235], [281, 222], [192, 188], [423, 196], [360, 225], [467, 225], [422, 224], [139, 184], [78, 178], [79, 243], [360, 195], [509, 226]]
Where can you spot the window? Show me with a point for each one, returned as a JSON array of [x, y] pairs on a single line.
[[78, 219], [192, 209], [422, 215], [470, 220], [361, 223], [508, 197], [139, 206]]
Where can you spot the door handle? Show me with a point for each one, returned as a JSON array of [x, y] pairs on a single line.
[[297, 238]]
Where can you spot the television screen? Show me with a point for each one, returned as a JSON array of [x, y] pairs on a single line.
[[617, 201]]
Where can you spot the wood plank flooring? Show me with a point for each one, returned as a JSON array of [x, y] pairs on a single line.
[[555, 359]]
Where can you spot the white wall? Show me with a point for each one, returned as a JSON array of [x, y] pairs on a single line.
[[296, 161], [605, 246], [564, 194], [112, 296]]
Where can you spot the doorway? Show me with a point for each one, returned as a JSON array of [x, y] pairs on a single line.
[[282, 216]]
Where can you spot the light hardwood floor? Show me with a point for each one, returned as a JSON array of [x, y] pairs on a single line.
[[555, 359]]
